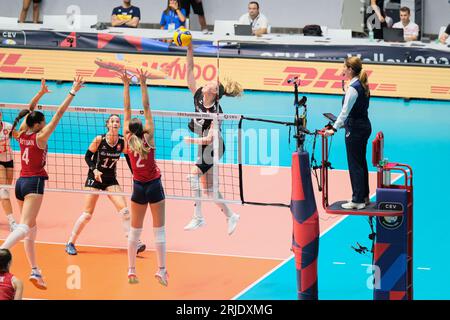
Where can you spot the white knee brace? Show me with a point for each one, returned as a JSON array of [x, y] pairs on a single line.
[[134, 235], [194, 181], [125, 213], [159, 234], [32, 234]]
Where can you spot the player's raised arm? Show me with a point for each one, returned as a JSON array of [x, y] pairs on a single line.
[[46, 132]]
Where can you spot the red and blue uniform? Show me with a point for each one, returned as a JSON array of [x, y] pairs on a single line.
[[33, 160], [7, 291], [147, 186]]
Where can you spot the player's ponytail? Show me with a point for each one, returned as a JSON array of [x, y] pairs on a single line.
[[364, 79], [19, 117], [230, 88], [136, 142]]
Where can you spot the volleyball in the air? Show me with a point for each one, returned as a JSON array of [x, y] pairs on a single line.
[[182, 37]]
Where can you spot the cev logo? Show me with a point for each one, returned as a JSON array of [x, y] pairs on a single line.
[[9, 34]]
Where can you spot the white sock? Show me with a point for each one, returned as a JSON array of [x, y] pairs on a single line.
[[10, 218], [133, 239], [125, 214], [194, 181], [160, 246], [30, 248], [228, 213], [79, 226], [18, 234], [198, 210]]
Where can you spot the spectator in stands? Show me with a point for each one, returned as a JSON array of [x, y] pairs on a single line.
[[26, 6], [174, 16], [257, 20], [197, 6], [378, 19], [410, 28], [444, 36], [126, 16]]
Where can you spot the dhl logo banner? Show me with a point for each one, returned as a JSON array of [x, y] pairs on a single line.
[[254, 74]]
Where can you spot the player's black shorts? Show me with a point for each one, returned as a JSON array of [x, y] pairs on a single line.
[[7, 164], [106, 182], [37, 1], [205, 156], [148, 192], [29, 185], [197, 6]]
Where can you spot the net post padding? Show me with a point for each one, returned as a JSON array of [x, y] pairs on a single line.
[[305, 240]]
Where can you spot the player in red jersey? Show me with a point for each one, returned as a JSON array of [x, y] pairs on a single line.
[[147, 187], [6, 158], [33, 136], [11, 288]]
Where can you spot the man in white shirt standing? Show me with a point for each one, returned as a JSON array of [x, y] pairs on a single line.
[[257, 20], [411, 30]]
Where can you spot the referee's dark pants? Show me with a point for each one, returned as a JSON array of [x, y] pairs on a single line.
[[357, 134]]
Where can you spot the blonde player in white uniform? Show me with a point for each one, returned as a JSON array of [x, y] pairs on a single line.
[[6, 170]]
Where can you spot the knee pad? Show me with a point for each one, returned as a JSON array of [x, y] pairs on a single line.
[[135, 234], [159, 234], [194, 181], [86, 216], [125, 213], [31, 234], [23, 228], [4, 194]]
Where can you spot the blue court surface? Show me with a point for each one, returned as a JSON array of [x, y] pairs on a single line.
[[416, 133]]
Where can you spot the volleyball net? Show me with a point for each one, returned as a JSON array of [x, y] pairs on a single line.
[[79, 126]]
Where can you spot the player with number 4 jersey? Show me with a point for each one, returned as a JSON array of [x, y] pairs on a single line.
[[102, 157], [33, 136]]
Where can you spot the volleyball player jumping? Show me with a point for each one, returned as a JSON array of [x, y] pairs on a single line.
[[147, 187], [6, 159], [33, 136], [102, 157], [206, 99]]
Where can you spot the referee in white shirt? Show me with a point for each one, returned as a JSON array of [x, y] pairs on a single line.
[[257, 20], [354, 118]]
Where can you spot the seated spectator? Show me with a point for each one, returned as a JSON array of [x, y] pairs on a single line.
[[444, 37], [197, 6], [26, 6], [410, 28], [11, 288], [173, 17], [257, 20], [126, 16]]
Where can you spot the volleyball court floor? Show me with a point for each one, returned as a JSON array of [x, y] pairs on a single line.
[[203, 264], [256, 261]]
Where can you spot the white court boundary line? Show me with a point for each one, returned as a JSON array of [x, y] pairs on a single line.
[[292, 256], [168, 251]]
